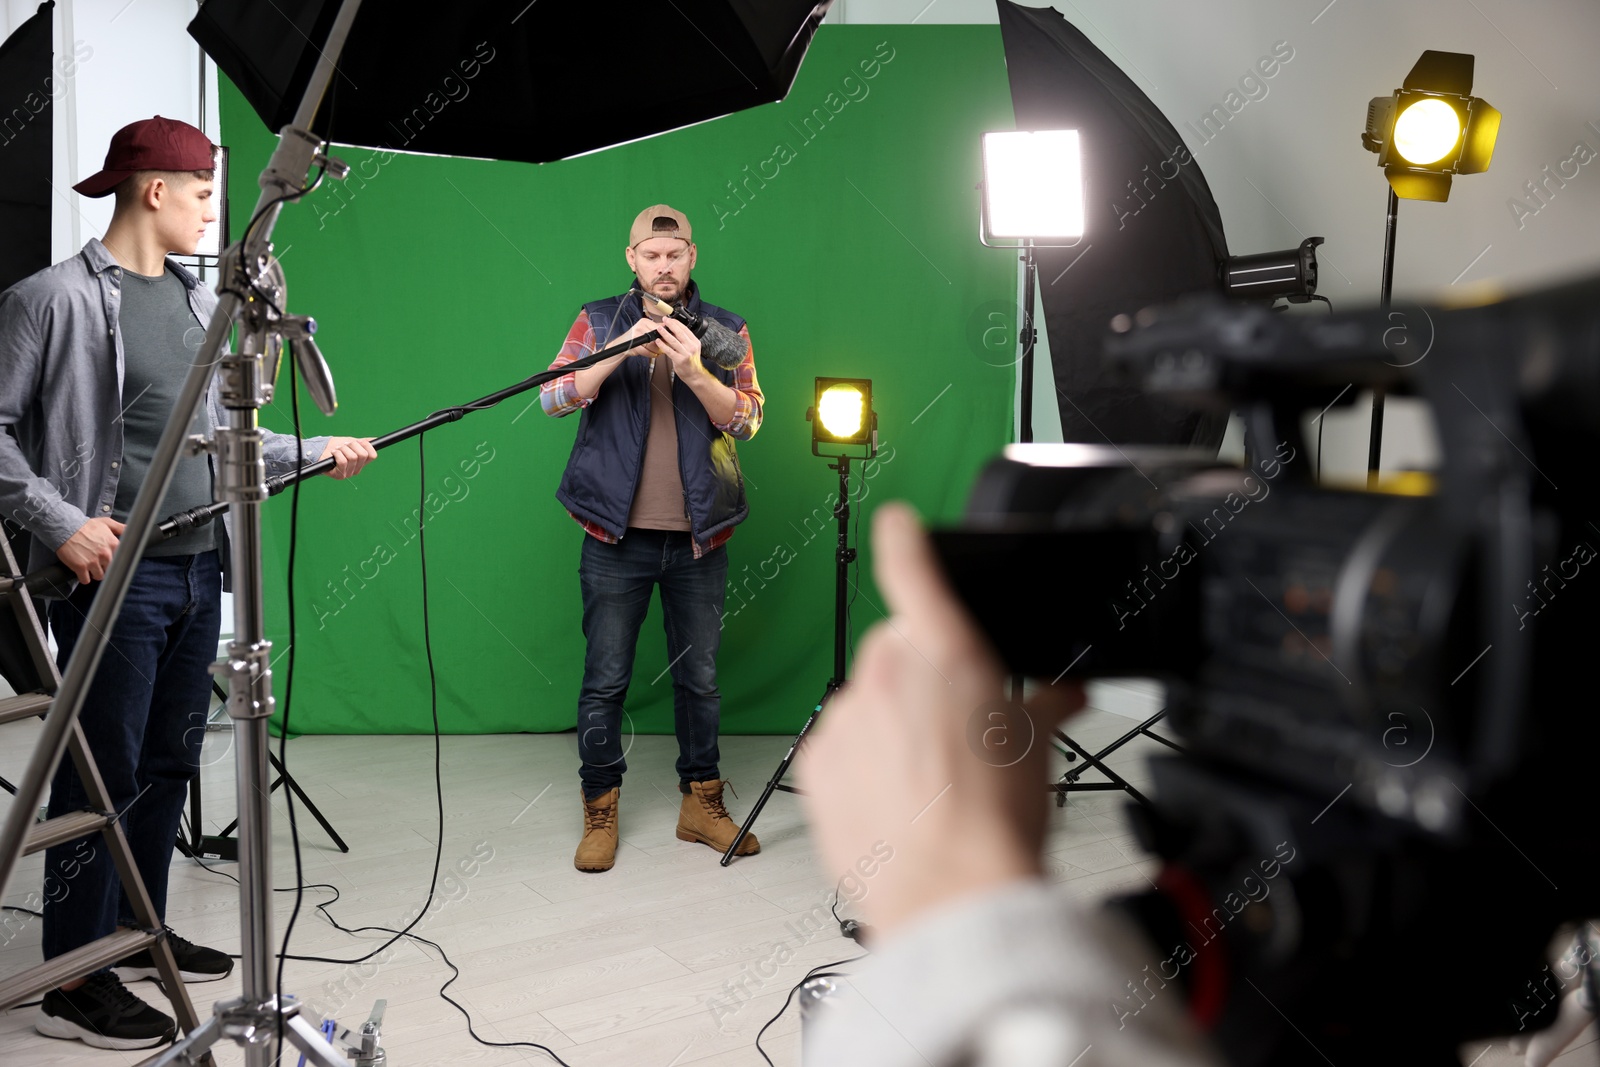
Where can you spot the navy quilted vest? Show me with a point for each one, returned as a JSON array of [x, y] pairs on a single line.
[[603, 471]]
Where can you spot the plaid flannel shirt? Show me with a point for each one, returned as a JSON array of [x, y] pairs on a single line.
[[560, 397]]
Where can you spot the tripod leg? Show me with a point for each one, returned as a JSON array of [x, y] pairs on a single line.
[[284, 778], [1071, 777], [1075, 774], [288, 779], [192, 847], [777, 777], [271, 789], [195, 846], [309, 1040], [193, 1049]]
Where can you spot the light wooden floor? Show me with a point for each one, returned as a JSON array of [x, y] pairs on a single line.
[[630, 967]]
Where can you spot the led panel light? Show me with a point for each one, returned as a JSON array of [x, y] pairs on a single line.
[[1033, 186], [842, 414], [215, 239]]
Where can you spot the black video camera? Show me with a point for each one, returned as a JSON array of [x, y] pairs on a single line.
[[1386, 683]]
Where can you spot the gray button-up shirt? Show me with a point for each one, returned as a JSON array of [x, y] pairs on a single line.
[[61, 366]]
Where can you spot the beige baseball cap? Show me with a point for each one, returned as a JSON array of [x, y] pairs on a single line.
[[660, 221]]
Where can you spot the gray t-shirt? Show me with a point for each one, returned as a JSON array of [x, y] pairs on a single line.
[[155, 321]]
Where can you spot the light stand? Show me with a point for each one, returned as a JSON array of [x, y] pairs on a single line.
[[1028, 336], [220, 846], [844, 555], [1386, 290], [1424, 133], [1032, 196], [250, 293]]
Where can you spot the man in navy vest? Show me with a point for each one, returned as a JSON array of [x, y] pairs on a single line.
[[654, 481]]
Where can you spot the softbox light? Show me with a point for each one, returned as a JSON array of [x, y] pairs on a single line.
[[511, 79], [27, 86], [1153, 235]]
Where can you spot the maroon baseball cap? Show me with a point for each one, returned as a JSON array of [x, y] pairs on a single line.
[[150, 144]]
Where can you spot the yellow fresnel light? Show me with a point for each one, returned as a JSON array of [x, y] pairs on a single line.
[[1426, 131], [1424, 134], [1432, 128]]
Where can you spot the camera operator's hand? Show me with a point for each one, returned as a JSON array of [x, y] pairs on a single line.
[[913, 752], [87, 553]]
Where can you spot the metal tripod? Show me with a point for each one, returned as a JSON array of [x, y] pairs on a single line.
[[1096, 761], [200, 845], [252, 291], [843, 557], [1028, 335], [251, 294]]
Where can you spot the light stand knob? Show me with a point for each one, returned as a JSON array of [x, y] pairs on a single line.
[[299, 333]]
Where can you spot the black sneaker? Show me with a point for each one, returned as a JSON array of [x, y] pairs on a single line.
[[196, 963], [102, 1013]]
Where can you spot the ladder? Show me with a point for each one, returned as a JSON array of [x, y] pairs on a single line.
[[36, 684]]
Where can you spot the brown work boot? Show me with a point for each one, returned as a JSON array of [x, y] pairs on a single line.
[[703, 818], [598, 849]]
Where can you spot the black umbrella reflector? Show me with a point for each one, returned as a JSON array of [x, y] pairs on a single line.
[[514, 79], [28, 85]]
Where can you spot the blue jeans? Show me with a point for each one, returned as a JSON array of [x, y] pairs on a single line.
[[144, 718], [617, 581]]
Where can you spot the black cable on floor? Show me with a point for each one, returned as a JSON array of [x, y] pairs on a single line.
[[337, 925], [819, 971], [322, 906], [433, 695], [294, 520]]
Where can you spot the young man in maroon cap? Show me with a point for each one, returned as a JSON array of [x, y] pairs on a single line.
[[655, 482], [93, 353]]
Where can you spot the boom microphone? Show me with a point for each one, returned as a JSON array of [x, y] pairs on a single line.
[[718, 344]]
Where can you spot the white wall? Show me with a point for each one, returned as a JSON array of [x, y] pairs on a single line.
[[131, 60], [1291, 164]]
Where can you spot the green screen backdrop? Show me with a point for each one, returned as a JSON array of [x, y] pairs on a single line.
[[841, 222]]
